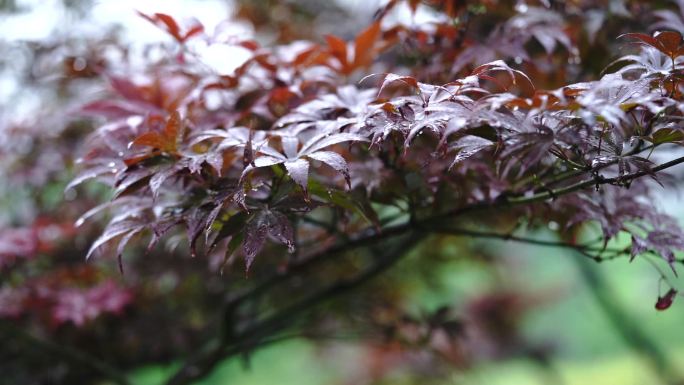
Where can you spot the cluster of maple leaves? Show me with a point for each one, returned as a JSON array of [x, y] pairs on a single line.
[[288, 136]]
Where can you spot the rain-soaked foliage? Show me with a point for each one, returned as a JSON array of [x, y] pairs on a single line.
[[319, 162]]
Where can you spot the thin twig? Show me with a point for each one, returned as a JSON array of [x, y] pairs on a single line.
[[509, 237]]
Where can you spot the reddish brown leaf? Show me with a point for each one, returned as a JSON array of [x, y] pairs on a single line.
[[249, 44], [131, 161], [150, 139], [195, 30], [364, 43], [413, 4], [665, 301], [126, 88], [644, 38], [338, 48], [308, 56], [667, 42], [389, 108], [670, 41], [170, 23], [167, 140]]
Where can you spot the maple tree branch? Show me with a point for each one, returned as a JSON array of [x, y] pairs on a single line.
[[508, 201], [582, 247], [595, 181], [371, 236], [251, 336], [573, 173]]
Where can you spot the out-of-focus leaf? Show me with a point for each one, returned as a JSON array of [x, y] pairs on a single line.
[[364, 43], [167, 140]]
